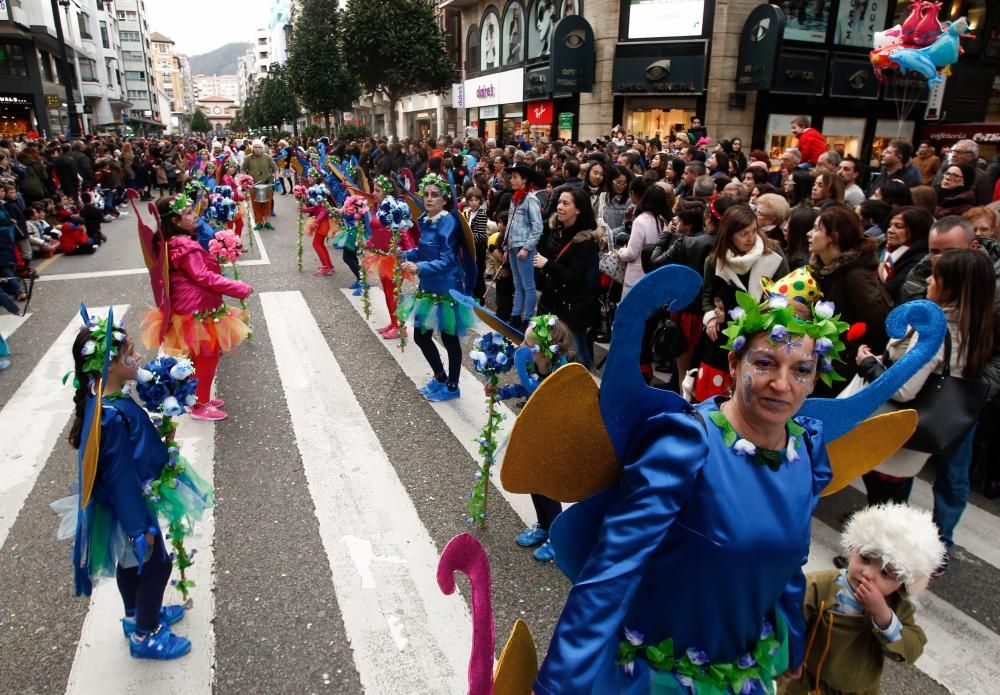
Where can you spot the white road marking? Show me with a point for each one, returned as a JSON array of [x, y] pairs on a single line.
[[464, 416], [93, 275], [33, 419], [406, 636], [961, 653], [976, 531], [9, 323], [102, 662]]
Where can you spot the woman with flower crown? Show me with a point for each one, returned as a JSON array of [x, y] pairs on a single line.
[[195, 320], [695, 582]]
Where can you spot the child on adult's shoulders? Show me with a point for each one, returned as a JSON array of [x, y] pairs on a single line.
[[858, 616]]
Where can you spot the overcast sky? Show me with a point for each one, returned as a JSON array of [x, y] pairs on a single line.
[[199, 26]]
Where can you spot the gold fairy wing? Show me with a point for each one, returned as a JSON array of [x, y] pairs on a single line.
[[559, 445], [867, 445], [518, 665]]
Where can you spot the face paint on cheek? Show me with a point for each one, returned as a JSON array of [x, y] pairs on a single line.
[[747, 392], [131, 361]]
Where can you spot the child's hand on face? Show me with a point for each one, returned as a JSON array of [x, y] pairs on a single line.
[[869, 596]]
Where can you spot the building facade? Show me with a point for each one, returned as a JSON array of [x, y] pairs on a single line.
[[217, 86], [33, 95], [220, 111], [144, 116]]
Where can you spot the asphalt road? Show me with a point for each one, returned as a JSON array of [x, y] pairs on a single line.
[[337, 486]]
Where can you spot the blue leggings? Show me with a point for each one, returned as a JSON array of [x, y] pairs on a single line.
[[142, 593]]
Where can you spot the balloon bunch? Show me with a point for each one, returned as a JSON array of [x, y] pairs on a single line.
[[922, 44]]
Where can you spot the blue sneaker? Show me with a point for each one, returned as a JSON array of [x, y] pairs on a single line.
[[443, 394], [356, 285], [168, 616], [431, 386], [357, 291], [545, 552], [4, 363], [532, 536], [160, 645]]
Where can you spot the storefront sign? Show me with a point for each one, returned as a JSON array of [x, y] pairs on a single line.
[[4, 12], [488, 112], [11, 100], [536, 83], [759, 46], [935, 101], [53, 101], [541, 113], [854, 78], [499, 88], [800, 72], [655, 19], [573, 54], [659, 69], [857, 22], [980, 133], [458, 95], [565, 126]]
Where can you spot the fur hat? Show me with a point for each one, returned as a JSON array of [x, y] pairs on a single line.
[[904, 537]]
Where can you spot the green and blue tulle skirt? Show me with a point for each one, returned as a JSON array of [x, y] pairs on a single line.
[[435, 312]]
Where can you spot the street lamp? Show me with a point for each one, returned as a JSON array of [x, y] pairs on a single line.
[[67, 74]]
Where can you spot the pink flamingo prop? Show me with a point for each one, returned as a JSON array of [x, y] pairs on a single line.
[[518, 663]]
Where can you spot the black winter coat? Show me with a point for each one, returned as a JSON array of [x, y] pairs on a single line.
[[570, 282]]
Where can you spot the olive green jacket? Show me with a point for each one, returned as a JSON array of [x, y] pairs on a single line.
[[261, 167]]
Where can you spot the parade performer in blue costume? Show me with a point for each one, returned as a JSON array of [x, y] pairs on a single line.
[[685, 552], [117, 533], [442, 260]]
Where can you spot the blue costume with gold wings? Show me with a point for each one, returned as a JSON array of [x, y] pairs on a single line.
[[685, 553]]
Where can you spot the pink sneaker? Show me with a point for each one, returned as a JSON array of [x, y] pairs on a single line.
[[323, 271], [216, 402], [205, 411], [383, 329], [391, 334]]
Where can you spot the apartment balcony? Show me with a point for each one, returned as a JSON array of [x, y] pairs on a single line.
[[93, 90]]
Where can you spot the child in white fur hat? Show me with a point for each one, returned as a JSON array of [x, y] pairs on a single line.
[[858, 616]]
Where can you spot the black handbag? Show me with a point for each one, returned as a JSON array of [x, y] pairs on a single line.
[[947, 408]]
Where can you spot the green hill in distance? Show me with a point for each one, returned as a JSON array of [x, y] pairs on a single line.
[[221, 61]]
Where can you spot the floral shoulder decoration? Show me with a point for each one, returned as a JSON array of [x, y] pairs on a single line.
[[752, 672], [435, 180], [166, 386], [764, 457], [782, 326], [492, 355]]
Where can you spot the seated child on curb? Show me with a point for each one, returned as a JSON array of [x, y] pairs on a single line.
[[859, 616], [550, 342], [43, 238]]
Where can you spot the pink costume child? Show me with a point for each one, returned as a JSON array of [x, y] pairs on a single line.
[[318, 228], [195, 319]]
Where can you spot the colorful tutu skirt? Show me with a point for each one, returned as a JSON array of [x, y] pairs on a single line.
[[379, 267], [197, 335], [107, 543], [436, 312]]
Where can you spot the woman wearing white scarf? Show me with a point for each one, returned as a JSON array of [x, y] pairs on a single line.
[[742, 257]]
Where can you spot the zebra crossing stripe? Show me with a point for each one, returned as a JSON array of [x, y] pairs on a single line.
[[33, 419], [406, 636]]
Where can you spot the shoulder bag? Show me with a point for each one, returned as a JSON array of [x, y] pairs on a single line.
[[947, 408]]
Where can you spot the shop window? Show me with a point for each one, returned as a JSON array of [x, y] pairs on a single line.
[[12, 63], [779, 134], [844, 134], [489, 40], [658, 19], [806, 20], [105, 41], [858, 20], [656, 122], [887, 130], [453, 39], [472, 49], [513, 33]]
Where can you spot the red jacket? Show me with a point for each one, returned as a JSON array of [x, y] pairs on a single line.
[[812, 144], [196, 282], [72, 237]]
